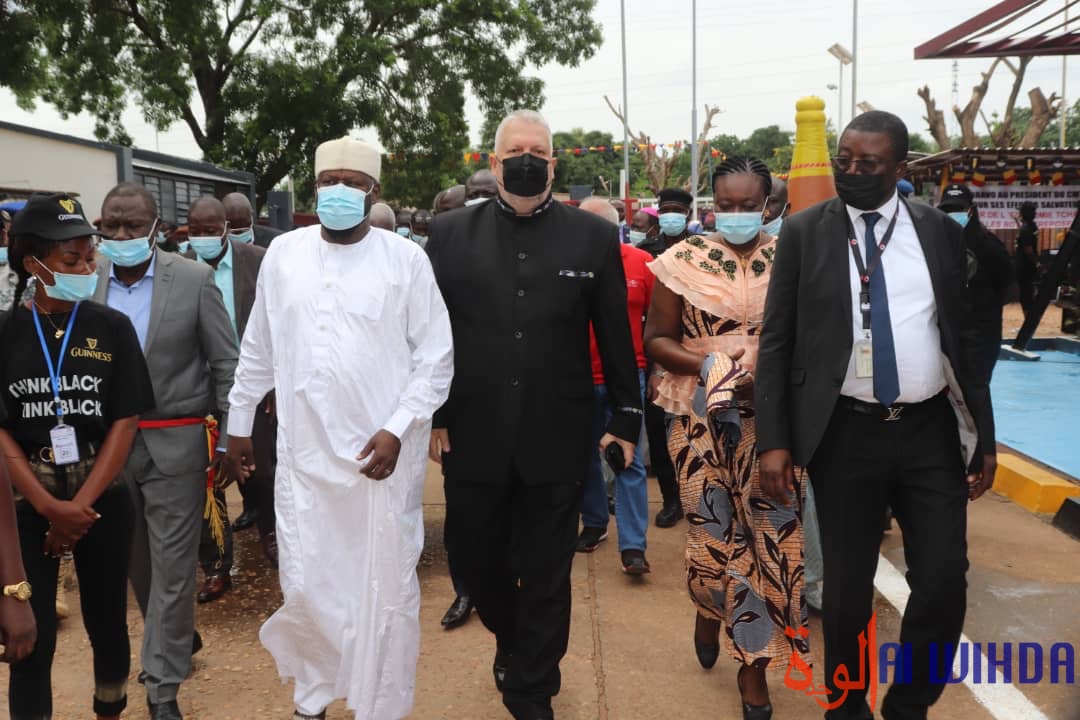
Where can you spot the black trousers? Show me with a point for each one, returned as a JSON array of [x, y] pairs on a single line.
[[215, 560], [659, 459], [513, 546], [101, 564], [261, 485], [914, 466]]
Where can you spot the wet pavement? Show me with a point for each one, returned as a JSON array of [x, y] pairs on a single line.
[[631, 654]]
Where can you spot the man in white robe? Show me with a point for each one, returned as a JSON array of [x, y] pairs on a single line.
[[350, 328]]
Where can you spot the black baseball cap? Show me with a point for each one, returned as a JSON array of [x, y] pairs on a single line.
[[677, 195], [53, 216], [956, 198]]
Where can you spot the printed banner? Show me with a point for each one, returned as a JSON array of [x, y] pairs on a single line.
[[998, 204]]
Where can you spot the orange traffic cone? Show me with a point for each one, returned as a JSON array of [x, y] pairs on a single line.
[[811, 178]]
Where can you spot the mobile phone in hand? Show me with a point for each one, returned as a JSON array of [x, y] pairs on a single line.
[[613, 454]]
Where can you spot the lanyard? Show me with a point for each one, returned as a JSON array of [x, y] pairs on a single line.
[[864, 271], [54, 372]]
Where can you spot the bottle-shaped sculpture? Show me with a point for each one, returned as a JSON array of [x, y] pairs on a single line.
[[811, 178]]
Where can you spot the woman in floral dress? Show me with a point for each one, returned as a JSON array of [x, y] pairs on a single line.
[[744, 565]]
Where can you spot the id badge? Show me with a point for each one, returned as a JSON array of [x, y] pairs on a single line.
[[65, 447], [864, 359]]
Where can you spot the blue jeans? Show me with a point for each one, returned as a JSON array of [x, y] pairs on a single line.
[[631, 492]]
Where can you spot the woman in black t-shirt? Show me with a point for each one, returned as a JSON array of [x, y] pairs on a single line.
[[65, 450]]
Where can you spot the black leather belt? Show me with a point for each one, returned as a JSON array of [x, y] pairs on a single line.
[[898, 411]]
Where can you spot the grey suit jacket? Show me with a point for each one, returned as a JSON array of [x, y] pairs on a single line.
[[191, 352]]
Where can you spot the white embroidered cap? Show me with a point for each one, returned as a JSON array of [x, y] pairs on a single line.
[[348, 154]]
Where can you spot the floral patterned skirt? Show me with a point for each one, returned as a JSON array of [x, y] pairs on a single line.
[[744, 551]]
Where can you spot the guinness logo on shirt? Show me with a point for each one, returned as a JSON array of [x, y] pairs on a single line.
[[91, 351]]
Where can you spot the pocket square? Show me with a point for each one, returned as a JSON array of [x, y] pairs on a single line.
[[576, 273]]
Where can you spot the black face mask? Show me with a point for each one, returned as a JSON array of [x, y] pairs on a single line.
[[865, 192], [525, 175]]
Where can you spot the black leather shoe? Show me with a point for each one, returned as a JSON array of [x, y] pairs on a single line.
[[590, 539], [526, 710], [634, 562], [168, 710], [246, 520], [458, 612], [670, 514], [270, 550], [499, 667], [214, 587]]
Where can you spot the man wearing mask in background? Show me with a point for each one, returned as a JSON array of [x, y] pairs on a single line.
[[523, 276], [236, 268], [359, 360], [777, 207], [452, 198], [645, 234], [382, 216], [421, 221], [403, 223], [990, 279], [631, 490], [190, 347], [673, 208], [480, 187], [242, 225]]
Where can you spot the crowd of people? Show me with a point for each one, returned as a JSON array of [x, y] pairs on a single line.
[[796, 379]]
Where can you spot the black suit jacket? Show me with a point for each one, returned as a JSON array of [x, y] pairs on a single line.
[[521, 293], [264, 235], [806, 336], [247, 259]]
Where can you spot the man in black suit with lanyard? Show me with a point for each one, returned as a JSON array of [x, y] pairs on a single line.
[[523, 276], [863, 379]]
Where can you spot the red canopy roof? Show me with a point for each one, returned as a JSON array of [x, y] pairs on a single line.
[[1011, 27]]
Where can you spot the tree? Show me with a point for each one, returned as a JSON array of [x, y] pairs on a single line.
[[1002, 132], [274, 79]]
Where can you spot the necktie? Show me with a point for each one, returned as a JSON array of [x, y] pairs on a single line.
[[886, 378]]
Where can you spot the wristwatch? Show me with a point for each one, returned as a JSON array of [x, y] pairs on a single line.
[[20, 591]]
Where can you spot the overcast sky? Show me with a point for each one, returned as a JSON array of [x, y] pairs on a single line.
[[754, 60]]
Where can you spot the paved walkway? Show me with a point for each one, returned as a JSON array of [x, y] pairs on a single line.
[[631, 655]]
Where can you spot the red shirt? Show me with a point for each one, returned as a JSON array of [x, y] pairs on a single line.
[[639, 287]]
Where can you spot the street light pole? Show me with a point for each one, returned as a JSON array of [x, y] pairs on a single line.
[[625, 190], [854, 54], [845, 57], [693, 112]]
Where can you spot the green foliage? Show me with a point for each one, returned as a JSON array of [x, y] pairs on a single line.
[[274, 79], [589, 168]]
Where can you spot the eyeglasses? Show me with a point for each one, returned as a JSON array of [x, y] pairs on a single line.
[[869, 166]]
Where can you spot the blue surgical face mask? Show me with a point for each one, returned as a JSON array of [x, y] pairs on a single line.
[[420, 240], [404, 231], [961, 217], [637, 237], [773, 226], [161, 239], [69, 286], [738, 228], [243, 236], [341, 207], [672, 224], [207, 247], [3, 255], [126, 253], [183, 247]]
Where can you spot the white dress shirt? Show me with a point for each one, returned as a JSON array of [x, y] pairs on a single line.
[[912, 308]]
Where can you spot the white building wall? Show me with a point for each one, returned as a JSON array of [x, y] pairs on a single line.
[[38, 163]]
